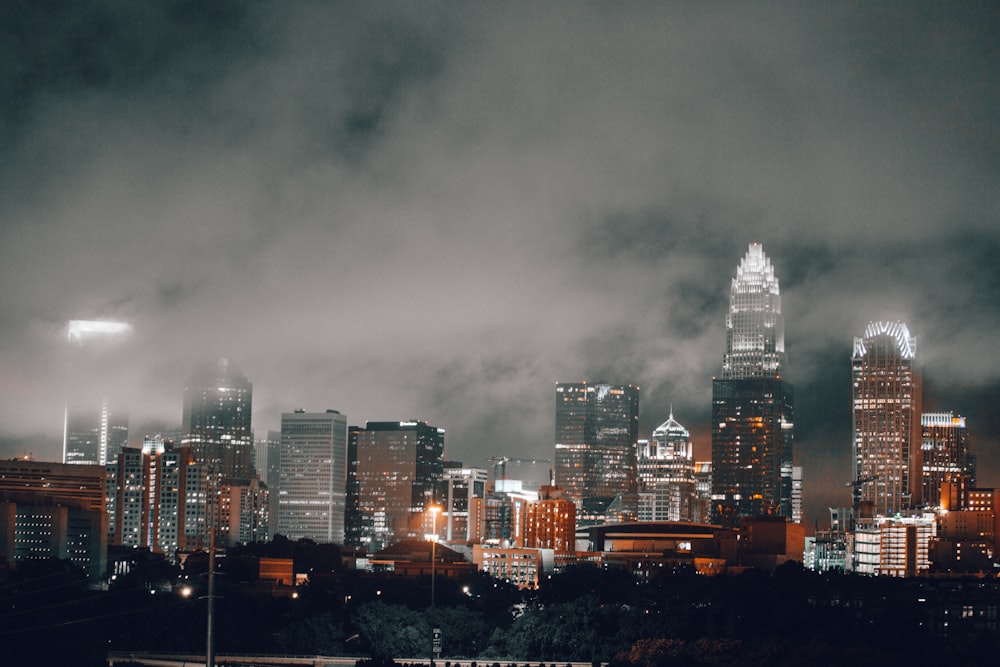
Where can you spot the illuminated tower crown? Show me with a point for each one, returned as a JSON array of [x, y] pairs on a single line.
[[755, 328]]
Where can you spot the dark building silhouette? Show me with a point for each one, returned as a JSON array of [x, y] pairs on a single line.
[[394, 471]]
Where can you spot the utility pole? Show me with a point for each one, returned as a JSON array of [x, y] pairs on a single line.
[[210, 638]]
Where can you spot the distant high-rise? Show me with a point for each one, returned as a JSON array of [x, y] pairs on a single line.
[[463, 493], [267, 463], [396, 469], [312, 476], [944, 445], [597, 430], [93, 433], [217, 406], [666, 474], [887, 409], [752, 405]]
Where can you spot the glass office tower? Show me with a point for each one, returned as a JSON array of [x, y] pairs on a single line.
[[752, 405], [597, 429]]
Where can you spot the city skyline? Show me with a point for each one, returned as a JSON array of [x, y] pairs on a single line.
[[439, 212]]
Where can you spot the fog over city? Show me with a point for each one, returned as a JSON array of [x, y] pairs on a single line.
[[439, 210]]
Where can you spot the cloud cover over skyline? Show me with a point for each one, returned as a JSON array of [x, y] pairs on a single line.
[[438, 210]]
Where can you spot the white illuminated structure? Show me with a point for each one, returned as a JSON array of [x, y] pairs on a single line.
[[92, 433], [755, 327], [83, 330], [666, 474]]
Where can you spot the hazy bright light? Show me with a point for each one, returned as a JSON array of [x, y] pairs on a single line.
[[81, 329]]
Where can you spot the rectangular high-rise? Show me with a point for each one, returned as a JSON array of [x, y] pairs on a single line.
[[597, 429], [218, 401], [944, 445], [312, 476], [752, 405], [397, 469], [886, 421]]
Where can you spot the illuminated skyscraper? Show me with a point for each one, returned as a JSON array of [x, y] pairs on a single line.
[[397, 467], [666, 474], [92, 432], [312, 476], [217, 406], [597, 430], [887, 410], [944, 446], [752, 406]]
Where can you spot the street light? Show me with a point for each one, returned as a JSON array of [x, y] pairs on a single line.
[[434, 510]]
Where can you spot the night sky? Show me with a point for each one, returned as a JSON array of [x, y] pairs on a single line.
[[439, 210]]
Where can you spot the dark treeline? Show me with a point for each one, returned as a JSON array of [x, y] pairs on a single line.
[[789, 617]]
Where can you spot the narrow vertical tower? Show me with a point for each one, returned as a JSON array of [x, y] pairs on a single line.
[[94, 430], [887, 409], [752, 406]]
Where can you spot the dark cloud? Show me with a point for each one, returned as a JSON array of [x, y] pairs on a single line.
[[438, 210]]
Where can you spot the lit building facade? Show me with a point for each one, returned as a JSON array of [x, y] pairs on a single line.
[[267, 463], [397, 469], [897, 547], [702, 510], [157, 500], [216, 424], [968, 531], [666, 474], [131, 500], [523, 567], [597, 430], [944, 445], [463, 493], [312, 479], [243, 511], [886, 422], [54, 510], [550, 522], [93, 435], [752, 405]]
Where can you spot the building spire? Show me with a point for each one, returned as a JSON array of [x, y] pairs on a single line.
[[755, 327]]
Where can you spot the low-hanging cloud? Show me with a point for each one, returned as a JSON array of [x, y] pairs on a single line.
[[438, 211]]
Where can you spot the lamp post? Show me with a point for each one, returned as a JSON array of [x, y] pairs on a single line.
[[434, 510]]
